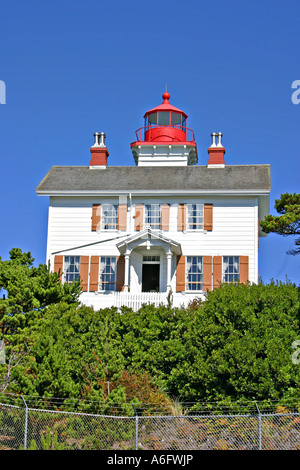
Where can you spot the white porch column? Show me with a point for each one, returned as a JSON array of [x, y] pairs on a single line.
[[127, 267], [169, 268]]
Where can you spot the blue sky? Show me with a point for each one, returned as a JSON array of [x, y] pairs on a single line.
[[73, 68]]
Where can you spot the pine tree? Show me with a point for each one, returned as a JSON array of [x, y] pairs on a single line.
[[288, 222]]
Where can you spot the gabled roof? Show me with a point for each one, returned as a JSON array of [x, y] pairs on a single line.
[[82, 180], [153, 237]]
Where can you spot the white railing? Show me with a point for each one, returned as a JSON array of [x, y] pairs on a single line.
[[135, 301], [125, 299]]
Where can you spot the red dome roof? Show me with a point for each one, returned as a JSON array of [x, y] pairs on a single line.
[[165, 106]]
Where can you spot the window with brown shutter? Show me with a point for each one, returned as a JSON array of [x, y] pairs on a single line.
[[181, 217], [94, 274], [109, 216], [84, 272], [96, 217], [180, 274], [208, 217], [120, 273], [139, 216], [58, 265], [235, 269], [217, 271], [165, 217], [207, 273], [244, 269], [122, 217]]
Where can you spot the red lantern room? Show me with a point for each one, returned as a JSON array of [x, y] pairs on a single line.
[[166, 125]]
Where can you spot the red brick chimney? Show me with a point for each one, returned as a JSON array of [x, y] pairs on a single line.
[[216, 151], [99, 152]]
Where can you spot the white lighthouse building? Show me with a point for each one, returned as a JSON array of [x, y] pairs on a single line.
[[165, 227]]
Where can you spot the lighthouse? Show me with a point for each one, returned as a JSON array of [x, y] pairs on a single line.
[[165, 139], [167, 228]]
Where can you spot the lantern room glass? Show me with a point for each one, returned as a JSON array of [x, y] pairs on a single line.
[[175, 119], [152, 119], [165, 118]]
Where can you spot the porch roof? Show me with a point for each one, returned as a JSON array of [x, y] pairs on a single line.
[[149, 238]]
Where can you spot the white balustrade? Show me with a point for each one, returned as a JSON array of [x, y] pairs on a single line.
[[101, 300], [126, 299], [135, 301]]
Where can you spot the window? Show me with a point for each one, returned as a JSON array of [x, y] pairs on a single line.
[[151, 259], [175, 119], [194, 276], [152, 119], [195, 216], [71, 268], [163, 118], [152, 216], [109, 219], [108, 267], [231, 268]]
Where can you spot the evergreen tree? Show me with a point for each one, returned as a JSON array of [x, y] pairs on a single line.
[[27, 289], [288, 222]]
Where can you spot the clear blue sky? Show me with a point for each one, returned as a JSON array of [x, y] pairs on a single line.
[[75, 67]]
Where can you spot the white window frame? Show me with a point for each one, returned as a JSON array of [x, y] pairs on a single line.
[[74, 263], [151, 259], [195, 211], [107, 273], [151, 219], [231, 269], [192, 279], [109, 217]]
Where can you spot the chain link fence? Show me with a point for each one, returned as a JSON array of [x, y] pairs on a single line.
[[22, 428]]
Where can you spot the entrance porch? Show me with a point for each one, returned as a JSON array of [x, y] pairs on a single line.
[[149, 274], [149, 262]]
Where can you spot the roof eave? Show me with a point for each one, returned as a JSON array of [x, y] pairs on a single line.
[[95, 192]]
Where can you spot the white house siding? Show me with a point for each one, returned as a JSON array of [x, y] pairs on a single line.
[[235, 232], [69, 229]]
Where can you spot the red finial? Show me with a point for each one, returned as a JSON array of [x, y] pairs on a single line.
[[166, 97]]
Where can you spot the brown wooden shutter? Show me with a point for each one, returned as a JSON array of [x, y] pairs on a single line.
[[165, 216], [122, 217], [58, 265], [96, 217], [181, 217], [218, 275], [208, 217], [94, 274], [120, 273], [84, 272], [180, 274], [244, 269], [207, 273], [139, 216]]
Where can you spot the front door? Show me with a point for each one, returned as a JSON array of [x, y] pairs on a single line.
[[150, 277]]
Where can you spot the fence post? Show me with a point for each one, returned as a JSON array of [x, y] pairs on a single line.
[[259, 426], [26, 423], [136, 427]]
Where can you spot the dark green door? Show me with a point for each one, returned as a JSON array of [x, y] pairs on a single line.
[[150, 278]]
